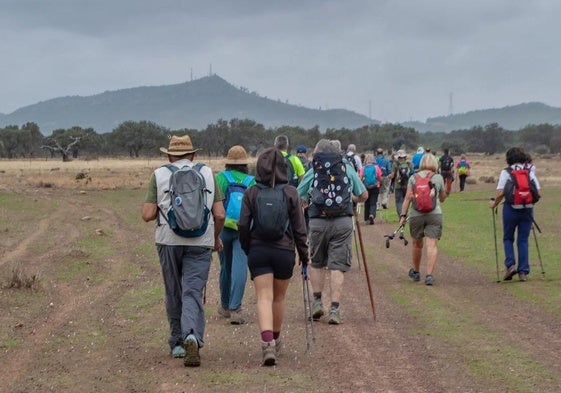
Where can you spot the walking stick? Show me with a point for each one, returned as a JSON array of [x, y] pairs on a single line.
[[365, 269], [356, 249], [307, 307], [494, 212], [538, 248]]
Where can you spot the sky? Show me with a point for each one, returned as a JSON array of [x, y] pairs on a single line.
[[392, 60]]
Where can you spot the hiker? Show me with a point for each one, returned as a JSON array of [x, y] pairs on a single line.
[[353, 158], [331, 229], [384, 164], [302, 154], [271, 262], [516, 218], [232, 182], [401, 170], [371, 176], [463, 166], [446, 166], [416, 159], [185, 261], [295, 169], [424, 225]]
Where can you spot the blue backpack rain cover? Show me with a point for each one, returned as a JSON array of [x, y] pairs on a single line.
[[233, 200]]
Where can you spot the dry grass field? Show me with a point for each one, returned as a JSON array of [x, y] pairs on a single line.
[[82, 299]]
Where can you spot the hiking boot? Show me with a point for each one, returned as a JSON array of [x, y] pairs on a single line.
[[429, 280], [223, 312], [522, 276], [510, 272], [415, 276], [371, 219], [192, 357], [269, 357], [278, 346], [317, 310], [236, 317], [178, 351], [334, 316]]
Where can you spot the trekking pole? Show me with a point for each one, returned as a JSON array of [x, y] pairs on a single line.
[[538, 248], [307, 307], [494, 212], [365, 269]]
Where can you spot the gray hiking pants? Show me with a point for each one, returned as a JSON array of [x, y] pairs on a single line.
[[185, 273]]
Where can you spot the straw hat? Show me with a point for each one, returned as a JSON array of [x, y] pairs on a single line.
[[237, 156], [179, 146]]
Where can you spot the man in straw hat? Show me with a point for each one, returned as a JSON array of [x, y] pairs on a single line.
[[185, 261], [233, 262]]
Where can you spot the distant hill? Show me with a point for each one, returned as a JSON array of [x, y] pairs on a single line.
[[510, 117], [194, 104]]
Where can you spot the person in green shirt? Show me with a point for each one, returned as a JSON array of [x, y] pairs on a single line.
[[295, 170]]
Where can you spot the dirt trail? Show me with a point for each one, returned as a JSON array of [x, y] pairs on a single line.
[[396, 353]]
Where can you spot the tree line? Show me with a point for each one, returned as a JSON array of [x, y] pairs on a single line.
[[143, 139]]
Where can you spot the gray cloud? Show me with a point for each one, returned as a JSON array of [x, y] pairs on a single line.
[[403, 57]]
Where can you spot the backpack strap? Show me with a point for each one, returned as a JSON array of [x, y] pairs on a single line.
[[172, 168], [228, 176], [247, 179]]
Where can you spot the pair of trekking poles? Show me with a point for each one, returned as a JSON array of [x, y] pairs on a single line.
[[534, 227]]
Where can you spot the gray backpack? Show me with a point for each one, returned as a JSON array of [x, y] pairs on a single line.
[[188, 213]]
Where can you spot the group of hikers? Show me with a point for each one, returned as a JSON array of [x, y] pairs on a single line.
[[293, 210]]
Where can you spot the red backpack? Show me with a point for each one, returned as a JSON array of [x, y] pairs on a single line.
[[424, 193], [520, 191]]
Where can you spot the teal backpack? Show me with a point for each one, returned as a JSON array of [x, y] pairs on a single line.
[[370, 179], [233, 200]]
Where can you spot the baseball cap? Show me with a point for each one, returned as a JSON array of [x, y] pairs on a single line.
[[301, 149]]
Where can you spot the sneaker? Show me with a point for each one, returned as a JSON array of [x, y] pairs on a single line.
[[334, 316], [522, 276], [236, 317], [415, 276], [269, 357], [223, 312], [317, 310], [371, 219], [429, 280], [192, 357], [510, 272], [178, 351]]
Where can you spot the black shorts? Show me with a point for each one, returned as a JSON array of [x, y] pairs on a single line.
[[263, 260]]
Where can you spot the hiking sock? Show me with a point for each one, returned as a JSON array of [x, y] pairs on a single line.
[[267, 336], [276, 335], [334, 304], [317, 295]]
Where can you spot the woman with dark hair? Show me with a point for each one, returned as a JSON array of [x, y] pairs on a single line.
[[516, 218], [271, 262], [233, 261]]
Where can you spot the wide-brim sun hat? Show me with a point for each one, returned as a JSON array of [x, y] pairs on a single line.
[[237, 156], [421, 149], [401, 154], [179, 146]]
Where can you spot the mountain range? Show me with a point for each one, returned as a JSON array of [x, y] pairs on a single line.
[[201, 102]]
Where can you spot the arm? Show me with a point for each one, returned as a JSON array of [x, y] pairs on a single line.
[[406, 204], [219, 217], [494, 202], [149, 211], [298, 225]]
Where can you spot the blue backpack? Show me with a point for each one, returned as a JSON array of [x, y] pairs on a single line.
[[370, 179], [384, 165], [233, 200]]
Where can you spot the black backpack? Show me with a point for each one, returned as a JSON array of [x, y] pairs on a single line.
[[290, 172], [446, 163], [403, 173], [270, 216], [331, 187]]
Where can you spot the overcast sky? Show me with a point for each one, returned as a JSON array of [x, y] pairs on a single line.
[[396, 60]]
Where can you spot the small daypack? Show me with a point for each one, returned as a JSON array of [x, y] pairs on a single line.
[[424, 193], [463, 167], [446, 163], [520, 191], [370, 178], [290, 172], [331, 187], [188, 213], [233, 199], [403, 172], [352, 160], [384, 165], [270, 216]]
